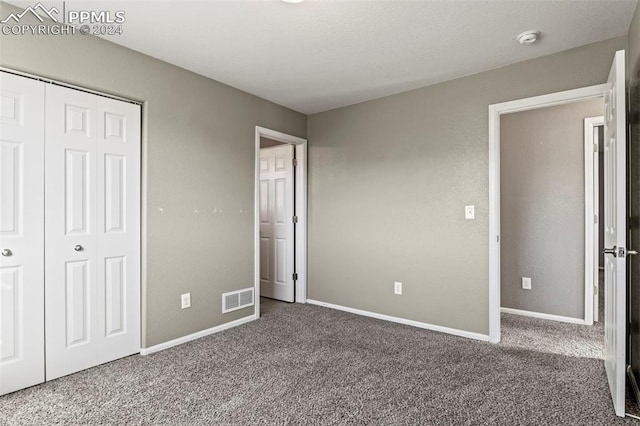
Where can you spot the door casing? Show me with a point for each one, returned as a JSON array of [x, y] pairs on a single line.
[[300, 189], [592, 188], [495, 111]]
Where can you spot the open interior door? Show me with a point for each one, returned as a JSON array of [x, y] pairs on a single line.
[[276, 223], [615, 231]]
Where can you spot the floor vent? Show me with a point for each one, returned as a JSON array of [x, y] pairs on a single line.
[[238, 299]]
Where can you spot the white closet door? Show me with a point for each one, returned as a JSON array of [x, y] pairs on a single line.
[[70, 231], [21, 232], [118, 196], [92, 230]]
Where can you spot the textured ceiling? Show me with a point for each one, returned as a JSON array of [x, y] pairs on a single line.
[[320, 55]]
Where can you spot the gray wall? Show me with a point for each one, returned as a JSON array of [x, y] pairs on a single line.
[[198, 139], [633, 262], [389, 179], [542, 208]]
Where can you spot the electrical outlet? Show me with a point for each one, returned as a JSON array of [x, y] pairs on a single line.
[[526, 283], [397, 288], [469, 212], [186, 300]]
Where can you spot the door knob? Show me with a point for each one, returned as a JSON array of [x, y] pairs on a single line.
[[78, 247], [613, 251], [632, 252], [7, 252]]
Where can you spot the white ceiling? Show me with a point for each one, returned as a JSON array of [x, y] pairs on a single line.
[[320, 54]]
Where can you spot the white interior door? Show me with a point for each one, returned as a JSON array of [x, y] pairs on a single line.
[[118, 231], [615, 232], [21, 232], [276, 223], [70, 231], [92, 231]]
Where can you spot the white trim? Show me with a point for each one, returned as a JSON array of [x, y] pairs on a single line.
[[197, 335], [590, 210], [300, 145], [495, 111], [543, 316], [69, 85], [551, 99], [427, 326], [144, 214], [494, 225], [301, 230]]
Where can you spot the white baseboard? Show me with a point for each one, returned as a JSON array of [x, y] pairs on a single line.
[[441, 329], [543, 316], [199, 334]]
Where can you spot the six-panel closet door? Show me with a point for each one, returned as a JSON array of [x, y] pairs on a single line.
[[92, 230], [69, 231], [21, 232]]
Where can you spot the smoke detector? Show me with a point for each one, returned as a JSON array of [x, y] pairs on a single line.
[[528, 37]]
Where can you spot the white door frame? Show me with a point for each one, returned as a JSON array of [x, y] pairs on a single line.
[[300, 146], [591, 198], [495, 111]]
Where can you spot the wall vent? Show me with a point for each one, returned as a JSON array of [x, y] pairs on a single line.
[[238, 299]]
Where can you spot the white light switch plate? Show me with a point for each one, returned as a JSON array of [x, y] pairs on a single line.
[[185, 300], [397, 288], [469, 212], [526, 283]]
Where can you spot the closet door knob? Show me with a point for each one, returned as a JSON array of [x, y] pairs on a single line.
[[7, 252], [78, 247]]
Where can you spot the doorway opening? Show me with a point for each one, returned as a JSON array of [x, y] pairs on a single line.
[[533, 208], [280, 217], [547, 181]]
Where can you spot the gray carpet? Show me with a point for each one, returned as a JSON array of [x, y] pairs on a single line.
[[552, 337], [303, 364], [556, 337]]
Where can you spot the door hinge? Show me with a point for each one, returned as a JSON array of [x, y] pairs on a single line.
[[595, 147], [295, 219], [295, 162], [497, 238], [295, 276], [595, 290], [595, 219]]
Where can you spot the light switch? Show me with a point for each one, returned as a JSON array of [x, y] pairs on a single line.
[[185, 300], [469, 212]]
